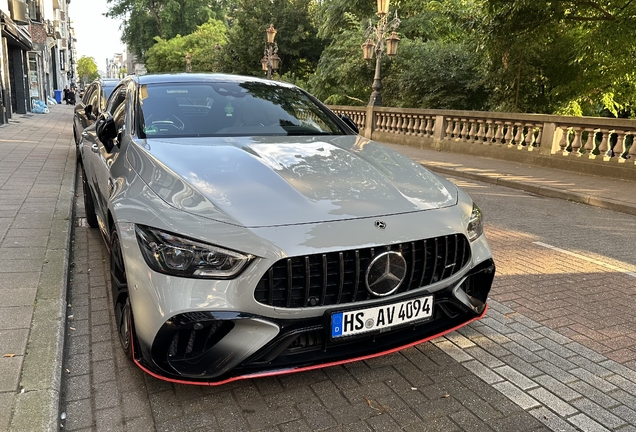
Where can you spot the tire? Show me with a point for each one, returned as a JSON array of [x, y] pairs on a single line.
[[121, 300], [89, 205]]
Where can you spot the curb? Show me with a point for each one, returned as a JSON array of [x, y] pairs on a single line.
[[36, 408], [547, 191]]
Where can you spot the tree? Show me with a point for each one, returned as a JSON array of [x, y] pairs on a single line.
[[87, 69], [437, 66], [203, 45], [436, 75], [144, 20], [299, 47], [569, 56]]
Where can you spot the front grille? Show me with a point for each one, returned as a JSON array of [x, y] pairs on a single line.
[[339, 277]]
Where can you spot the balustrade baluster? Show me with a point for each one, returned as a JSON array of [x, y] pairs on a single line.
[[576, 142], [409, 126], [508, 137], [379, 122], [463, 131], [480, 131], [470, 131], [619, 147], [588, 146], [604, 147], [398, 124], [518, 135], [393, 124], [421, 126], [564, 142], [632, 149], [457, 128], [537, 141], [449, 128], [529, 137], [429, 125], [489, 133], [499, 132], [416, 126]]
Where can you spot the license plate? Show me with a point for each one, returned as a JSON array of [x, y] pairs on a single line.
[[354, 322]]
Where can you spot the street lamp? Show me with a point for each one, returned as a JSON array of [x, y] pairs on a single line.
[[375, 44], [188, 59], [270, 60]]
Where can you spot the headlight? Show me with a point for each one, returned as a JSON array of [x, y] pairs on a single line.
[[475, 224], [178, 256]]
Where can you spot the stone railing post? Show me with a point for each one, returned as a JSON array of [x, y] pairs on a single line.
[[548, 138], [369, 125], [440, 128]]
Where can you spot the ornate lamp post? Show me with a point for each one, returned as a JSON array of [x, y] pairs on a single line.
[[375, 44], [188, 59], [270, 61]]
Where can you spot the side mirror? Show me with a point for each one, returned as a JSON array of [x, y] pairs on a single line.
[[106, 131], [88, 110], [354, 127]]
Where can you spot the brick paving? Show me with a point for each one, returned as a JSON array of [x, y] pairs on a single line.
[[37, 171]]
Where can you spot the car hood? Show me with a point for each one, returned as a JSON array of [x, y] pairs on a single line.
[[275, 181]]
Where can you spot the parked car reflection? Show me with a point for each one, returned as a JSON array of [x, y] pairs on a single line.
[[92, 103]]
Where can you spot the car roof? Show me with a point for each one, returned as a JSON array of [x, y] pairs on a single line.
[[203, 77]]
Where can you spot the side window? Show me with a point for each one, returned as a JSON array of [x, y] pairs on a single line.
[[93, 101], [117, 106], [90, 91]]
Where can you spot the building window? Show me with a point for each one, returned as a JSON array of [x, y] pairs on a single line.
[[62, 60], [34, 10]]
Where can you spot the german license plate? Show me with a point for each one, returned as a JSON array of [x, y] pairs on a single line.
[[358, 321]]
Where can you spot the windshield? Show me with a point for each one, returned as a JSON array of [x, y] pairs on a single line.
[[230, 109]]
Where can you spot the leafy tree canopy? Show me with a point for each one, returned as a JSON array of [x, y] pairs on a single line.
[[143, 20], [569, 56], [298, 45], [87, 69], [204, 46]]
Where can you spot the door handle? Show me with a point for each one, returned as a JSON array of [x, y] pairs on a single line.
[[84, 134], [95, 148]]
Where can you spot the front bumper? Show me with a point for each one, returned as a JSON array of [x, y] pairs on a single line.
[[216, 347]]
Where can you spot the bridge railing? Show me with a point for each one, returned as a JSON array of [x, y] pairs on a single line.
[[597, 140]]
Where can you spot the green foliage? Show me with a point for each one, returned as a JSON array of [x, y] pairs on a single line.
[[435, 75], [298, 46], [544, 56], [343, 77], [570, 52], [144, 20], [87, 69], [204, 47]]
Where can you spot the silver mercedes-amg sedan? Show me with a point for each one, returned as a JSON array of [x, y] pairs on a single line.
[[253, 232]]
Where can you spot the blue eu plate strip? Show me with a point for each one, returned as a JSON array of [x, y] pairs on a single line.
[[336, 325]]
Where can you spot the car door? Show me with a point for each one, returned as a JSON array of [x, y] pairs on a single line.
[[102, 159]]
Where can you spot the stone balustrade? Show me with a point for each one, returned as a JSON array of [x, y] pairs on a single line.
[[594, 145]]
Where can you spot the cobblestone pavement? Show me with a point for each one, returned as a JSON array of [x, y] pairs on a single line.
[[555, 351]]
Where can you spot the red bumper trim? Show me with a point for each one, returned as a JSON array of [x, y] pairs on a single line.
[[305, 368]]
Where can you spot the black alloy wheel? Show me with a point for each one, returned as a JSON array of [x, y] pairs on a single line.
[[89, 204], [119, 286]]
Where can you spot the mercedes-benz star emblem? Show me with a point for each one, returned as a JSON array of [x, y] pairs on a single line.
[[379, 224], [386, 273]]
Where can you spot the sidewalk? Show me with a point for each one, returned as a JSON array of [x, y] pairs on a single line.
[[602, 192], [37, 173], [37, 178]]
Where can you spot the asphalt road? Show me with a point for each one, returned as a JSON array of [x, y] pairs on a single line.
[[555, 352]]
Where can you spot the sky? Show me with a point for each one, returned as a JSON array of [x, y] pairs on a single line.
[[97, 36]]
